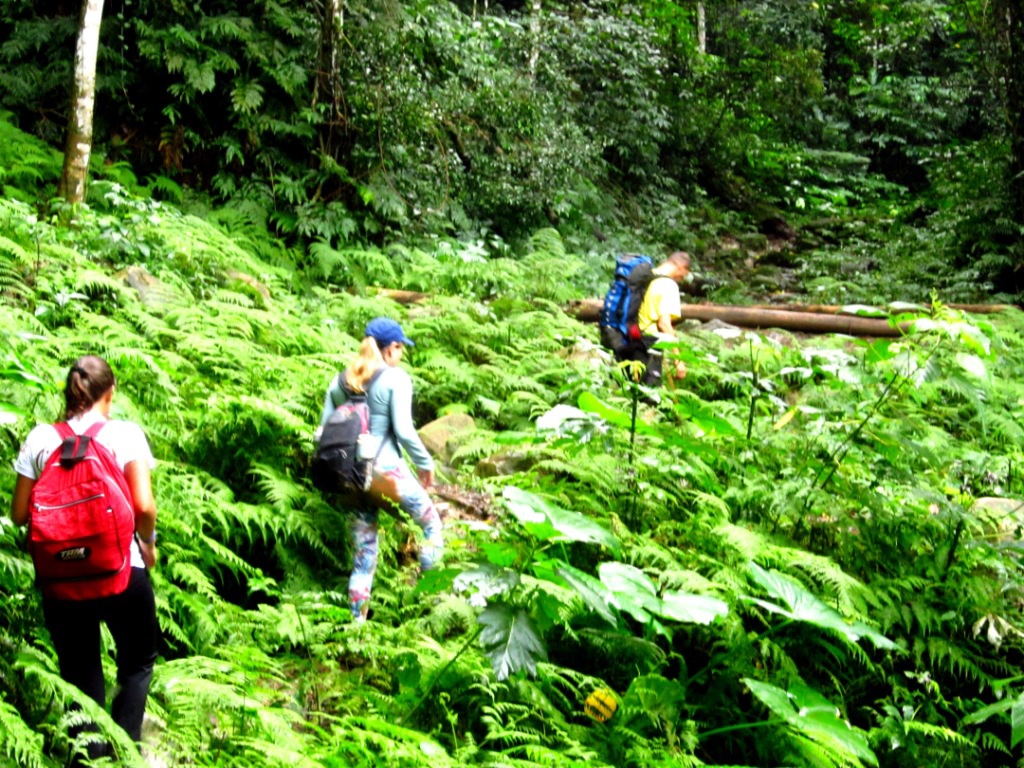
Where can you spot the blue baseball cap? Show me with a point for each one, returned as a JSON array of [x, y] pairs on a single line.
[[386, 331]]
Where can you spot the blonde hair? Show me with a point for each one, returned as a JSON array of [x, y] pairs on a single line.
[[364, 366]]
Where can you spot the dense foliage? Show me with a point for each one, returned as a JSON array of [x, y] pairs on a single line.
[[807, 555], [786, 562], [848, 122]]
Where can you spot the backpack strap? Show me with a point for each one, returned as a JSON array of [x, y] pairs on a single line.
[[64, 429], [376, 375], [73, 446], [94, 430], [338, 390]]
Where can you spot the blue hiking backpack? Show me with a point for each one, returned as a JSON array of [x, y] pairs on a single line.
[[633, 273]]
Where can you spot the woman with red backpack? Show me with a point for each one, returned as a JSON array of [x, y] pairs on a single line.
[[84, 490]]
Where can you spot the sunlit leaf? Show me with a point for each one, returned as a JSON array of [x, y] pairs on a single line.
[[634, 591], [786, 418], [1017, 722], [590, 403], [592, 591], [802, 605], [698, 609], [547, 522], [973, 364], [862, 310], [815, 717], [510, 641], [485, 581]]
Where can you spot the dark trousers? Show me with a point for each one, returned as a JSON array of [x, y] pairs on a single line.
[[640, 351], [74, 627]]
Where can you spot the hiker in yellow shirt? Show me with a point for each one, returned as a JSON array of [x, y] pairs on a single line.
[[661, 307]]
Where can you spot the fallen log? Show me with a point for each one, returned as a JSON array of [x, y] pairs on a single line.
[[835, 309], [589, 310], [803, 318], [397, 295]]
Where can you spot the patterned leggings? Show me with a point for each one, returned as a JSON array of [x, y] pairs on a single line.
[[415, 502]]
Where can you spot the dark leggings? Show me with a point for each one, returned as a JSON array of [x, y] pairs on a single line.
[[74, 627], [640, 350]]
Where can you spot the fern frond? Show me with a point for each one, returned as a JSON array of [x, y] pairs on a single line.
[[95, 283], [51, 684], [846, 593], [19, 743]]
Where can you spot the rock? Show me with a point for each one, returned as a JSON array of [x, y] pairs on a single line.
[[249, 281], [444, 435], [723, 329], [1002, 519], [586, 351], [503, 464], [153, 293]]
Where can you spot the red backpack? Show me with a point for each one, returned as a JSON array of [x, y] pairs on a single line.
[[81, 521]]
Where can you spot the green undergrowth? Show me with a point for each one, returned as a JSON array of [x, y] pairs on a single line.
[[782, 561]]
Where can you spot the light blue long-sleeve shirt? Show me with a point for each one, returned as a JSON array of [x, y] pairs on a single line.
[[390, 403]]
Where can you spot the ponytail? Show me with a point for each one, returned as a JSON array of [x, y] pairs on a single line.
[[89, 379], [365, 365]]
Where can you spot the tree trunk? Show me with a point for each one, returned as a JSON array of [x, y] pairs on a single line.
[[835, 309], [83, 97], [749, 317], [534, 38], [806, 318], [327, 87], [1010, 26], [702, 28]]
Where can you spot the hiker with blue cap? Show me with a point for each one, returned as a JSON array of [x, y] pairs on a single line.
[[388, 391]]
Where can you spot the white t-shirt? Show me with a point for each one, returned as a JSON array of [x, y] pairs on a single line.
[[124, 439]]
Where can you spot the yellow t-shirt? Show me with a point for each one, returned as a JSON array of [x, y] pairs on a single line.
[[662, 298]]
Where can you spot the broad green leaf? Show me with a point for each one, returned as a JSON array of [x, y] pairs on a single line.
[[906, 306], [862, 310], [1016, 707], [815, 717], [500, 553], [802, 605], [634, 592], [594, 593], [1016, 722], [716, 425], [510, 641], [983, 714], [25, 378], [590, 403], [697, 609], [878, 350], [485, 581], [974, 339], [973, 364], [773, 697], [550, 523]]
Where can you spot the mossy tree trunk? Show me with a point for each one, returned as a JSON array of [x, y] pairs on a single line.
[[75, 173]]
